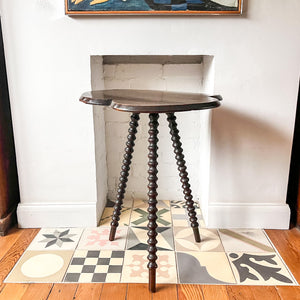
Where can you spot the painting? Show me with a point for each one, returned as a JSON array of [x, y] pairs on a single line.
[[151, 7]]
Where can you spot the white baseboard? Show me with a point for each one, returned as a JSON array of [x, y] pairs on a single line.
[[266, 216], [219, 216], [57, 215]]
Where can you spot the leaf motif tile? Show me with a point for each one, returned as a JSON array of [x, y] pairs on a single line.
[[108, 213], [204, 268], [139, 217], [185, 241], [259, 269], [56, 239], [135, 267], [98, 239], [245, 240]]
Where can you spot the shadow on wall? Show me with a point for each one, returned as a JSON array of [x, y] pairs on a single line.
[[250, 159]]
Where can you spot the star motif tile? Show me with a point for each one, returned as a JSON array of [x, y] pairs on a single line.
[[56, 239], [137, 238]]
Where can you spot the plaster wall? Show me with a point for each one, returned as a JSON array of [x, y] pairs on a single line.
[[256, 59]]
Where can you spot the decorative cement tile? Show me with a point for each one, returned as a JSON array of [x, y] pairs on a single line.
[[95, 266], [56, 239], [139, 217], [204, 268], [107, 215], [138, 203], [259, 269], [182, 204], [126, 203], [98, 239], [137, 238], [245, 240], [180, 217], [135, 267], [41, 266], [185, 241]]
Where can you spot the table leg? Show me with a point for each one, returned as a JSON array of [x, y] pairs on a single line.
[[152, 194], [133, 124], [177, 145]]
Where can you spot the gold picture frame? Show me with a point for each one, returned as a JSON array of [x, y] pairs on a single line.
[[153, 7]]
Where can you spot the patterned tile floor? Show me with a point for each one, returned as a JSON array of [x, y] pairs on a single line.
[[239, 256]]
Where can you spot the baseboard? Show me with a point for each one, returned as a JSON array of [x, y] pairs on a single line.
[[266, 216], [57, 215], [7, 222]]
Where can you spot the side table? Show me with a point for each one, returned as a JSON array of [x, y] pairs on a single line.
[[153, 103]]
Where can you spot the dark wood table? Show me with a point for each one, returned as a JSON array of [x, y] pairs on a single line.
[[154, 103]]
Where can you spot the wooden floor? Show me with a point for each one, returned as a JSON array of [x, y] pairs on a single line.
[[12, 246]]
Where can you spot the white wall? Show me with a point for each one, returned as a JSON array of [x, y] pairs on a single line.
[[256, 70]]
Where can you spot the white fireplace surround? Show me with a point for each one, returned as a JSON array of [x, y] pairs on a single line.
[[65, 173]]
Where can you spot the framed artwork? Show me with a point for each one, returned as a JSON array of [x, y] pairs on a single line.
[[151, 7]]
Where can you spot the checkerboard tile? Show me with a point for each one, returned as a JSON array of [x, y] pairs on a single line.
[[95, 266]]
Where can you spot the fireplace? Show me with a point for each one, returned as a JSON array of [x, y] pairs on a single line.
[[169, 73]]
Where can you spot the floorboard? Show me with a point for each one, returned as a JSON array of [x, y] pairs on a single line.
[[216, 292], [16, 250], [239, 292], [287, 242], [13, 291], [165, 291], [289, 292], [117, 290], [63, 291], [37, 291], [8, 240], [138, 291], [90, 291], [190, 291]]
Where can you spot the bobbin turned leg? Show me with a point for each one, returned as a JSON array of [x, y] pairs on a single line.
[[183, 175], [133, 124], [152, 194]]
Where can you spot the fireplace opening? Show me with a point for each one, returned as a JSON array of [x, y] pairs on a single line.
[[180, 73]]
